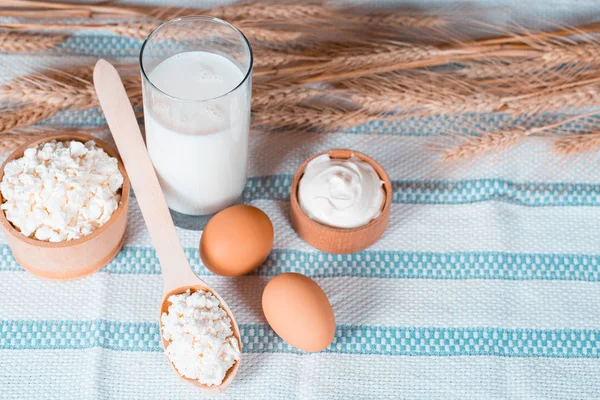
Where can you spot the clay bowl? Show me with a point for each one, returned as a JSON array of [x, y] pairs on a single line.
[[338, 240], [74, 258]]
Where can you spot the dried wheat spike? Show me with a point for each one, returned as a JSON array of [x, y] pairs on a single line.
[[16, 137], [20, 42], [426, 93], [367, 61], [265, 58], [383, 55], [307, 118], [549, 57], [585, 53], [496, 70], [46, 93], [28, 115], [269, 35], [395, 21], [384, 103], [9, 142], [481, 144], [59, 95], [271, 96], [257, 12], [577, 143], [141, 30], [135, 29], [556, 100], [60, 89]]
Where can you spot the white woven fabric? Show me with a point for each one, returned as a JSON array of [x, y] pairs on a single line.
[[486, 283]]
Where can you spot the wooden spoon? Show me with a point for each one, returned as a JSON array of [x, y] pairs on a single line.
[[177, 273]]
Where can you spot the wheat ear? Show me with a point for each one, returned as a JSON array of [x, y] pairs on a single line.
[[310, 118], [61, 91], [570, 96], [9, 142], [271, 59], [25, 116], [577, 143], [490, 141], [499, 140], [20, 42], [394, 20]]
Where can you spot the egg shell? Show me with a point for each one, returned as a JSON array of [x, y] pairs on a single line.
[[236, 240], [298, 310]]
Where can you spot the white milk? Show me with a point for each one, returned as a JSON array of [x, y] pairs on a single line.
[[199, 148]]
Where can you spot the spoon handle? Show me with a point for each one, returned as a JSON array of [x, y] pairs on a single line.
[[126, 133]]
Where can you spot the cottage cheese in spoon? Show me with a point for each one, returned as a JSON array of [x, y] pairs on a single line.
[[201, 344]]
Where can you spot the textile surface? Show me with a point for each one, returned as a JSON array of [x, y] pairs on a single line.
[[486, 283]]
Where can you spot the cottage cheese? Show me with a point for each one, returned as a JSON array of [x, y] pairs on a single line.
[[201, 341], [61, 191]]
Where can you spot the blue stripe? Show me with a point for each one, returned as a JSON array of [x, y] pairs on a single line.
[[98, 45], [378, 264], [349, 339], [534, 194]]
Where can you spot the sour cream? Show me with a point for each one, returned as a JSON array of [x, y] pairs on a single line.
[[341, 193]]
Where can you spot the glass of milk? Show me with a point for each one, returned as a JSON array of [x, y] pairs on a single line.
[[197, 85]]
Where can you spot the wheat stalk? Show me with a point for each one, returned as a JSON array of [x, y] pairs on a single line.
[[9, 142], [387, 57], [394, 21], [481, 144], [271, 59], [46, 14], [556, 99], [61, 89], [300, 117], [495, 70], [378, 59], [530, 37], [248, 12], [423, 93], [584, 53], [141, 29], [25, 116], [106, 11], [42, 95], [549, 57], [18, 136], [269, 35], [372, 76], [273, 96], [135, 29], [577, 143], [500, 140], [58, 94], [269, 12], [19, 42]]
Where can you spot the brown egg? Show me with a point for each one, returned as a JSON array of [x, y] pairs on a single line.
[[298, 310], [236, 240]]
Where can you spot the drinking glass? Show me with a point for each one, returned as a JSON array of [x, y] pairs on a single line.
[[197, 114]]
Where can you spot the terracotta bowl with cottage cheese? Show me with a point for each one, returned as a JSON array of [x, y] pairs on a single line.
[[75, 258]]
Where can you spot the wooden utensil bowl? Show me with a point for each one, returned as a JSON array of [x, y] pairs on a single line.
[[339, 240], [231, 372], [74, 258]]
